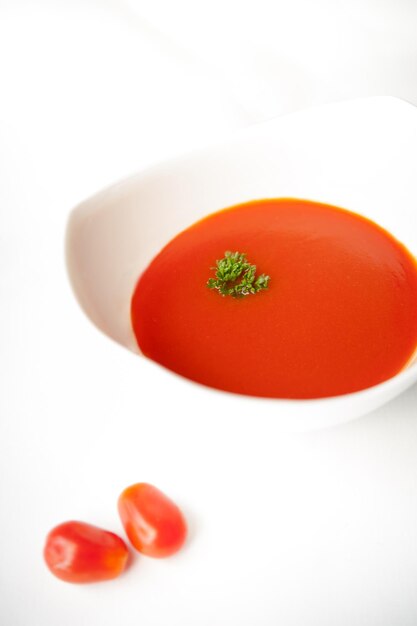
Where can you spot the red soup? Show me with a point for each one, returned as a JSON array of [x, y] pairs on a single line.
[[339, 313]]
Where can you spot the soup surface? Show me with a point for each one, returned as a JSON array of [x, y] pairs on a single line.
[[339, 313]]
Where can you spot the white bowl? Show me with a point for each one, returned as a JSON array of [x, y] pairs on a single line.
[[360, 155]]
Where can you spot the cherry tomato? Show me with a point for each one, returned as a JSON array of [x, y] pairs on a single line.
[[154, 524], [81, 553]]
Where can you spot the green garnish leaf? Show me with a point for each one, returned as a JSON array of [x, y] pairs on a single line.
[[236, 277]]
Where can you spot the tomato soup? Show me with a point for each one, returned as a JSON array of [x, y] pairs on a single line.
[[339, 313]]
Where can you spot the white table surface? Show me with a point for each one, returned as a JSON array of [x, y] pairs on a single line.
[[316, 529]]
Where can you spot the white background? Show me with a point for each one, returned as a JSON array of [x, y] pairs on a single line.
[[307, 530]]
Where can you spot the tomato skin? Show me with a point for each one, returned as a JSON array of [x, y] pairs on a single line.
[[77, 552], [154, 524]]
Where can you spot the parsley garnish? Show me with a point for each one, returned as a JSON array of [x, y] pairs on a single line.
[[236, 277]]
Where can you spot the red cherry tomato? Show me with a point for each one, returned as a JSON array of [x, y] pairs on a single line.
[[81, 553], [154, 524]]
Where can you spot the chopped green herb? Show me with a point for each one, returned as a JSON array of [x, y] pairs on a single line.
[[236, 277]]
